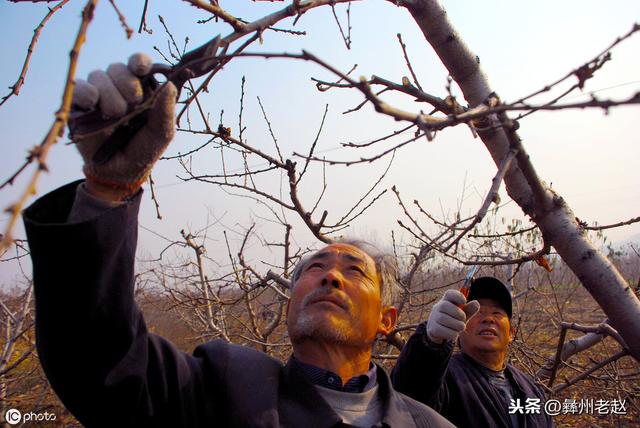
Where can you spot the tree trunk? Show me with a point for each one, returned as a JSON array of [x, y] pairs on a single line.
[[545, 207]]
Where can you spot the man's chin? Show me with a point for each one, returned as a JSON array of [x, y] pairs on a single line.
[[311, 327], [490, 348]]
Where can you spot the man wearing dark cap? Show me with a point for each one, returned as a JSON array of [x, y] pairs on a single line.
[[476, 387]]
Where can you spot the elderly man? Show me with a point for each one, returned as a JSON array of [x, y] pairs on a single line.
[[111, 372], [474, 388]]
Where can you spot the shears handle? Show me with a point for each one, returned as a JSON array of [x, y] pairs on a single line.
[[466, 286], [85, 124], [465, 292], [124, 133]]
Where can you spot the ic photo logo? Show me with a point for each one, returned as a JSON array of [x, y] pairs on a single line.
[[13, 416]]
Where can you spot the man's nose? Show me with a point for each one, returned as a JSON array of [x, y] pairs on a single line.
[[487, 318], [333, 278]]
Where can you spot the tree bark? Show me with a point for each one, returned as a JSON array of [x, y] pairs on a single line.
[[545, 207]]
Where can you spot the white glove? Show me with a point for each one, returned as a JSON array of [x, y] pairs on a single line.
[[111, 95], [446, 320]]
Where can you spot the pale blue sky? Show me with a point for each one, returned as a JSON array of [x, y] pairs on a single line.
[[590, 158]]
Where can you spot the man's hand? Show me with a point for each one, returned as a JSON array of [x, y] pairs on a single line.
[[114, 93], [446, 320]]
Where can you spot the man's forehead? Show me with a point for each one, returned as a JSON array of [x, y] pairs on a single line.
[[345, 251], [487, 302]]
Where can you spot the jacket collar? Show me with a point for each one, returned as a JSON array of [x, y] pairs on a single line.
[[300, 401], [396, 413]]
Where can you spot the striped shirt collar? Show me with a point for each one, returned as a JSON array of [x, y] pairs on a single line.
[[327, 379]]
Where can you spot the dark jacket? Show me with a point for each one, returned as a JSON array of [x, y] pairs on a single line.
[[110, 372], [457, 388]]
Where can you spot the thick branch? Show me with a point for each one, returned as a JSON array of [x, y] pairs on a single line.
[[547, 209]]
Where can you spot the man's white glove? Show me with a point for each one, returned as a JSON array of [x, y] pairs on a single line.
[[114, 93], [447, 320]]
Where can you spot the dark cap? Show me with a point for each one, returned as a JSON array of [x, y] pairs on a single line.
[[488, 287]]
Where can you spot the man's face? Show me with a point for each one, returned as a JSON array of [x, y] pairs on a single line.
[[337, 299], [488, 331]]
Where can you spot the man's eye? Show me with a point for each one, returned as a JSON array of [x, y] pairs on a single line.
[[314, 266], [357, 270]]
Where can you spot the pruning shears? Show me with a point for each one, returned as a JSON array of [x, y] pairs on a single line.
[[468, 279], [194, 63]]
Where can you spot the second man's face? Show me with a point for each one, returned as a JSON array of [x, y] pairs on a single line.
[[489, 330]]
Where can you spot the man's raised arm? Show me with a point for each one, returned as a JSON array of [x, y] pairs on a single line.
[[92, 340], [422, 364]]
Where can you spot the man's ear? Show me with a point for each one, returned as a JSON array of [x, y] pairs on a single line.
[[512, 333], [388, 320]]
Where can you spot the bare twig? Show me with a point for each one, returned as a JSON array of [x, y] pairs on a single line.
[[313, 145], [499, 235], [371, 159], [345, 37], [586, 70], [492, 196], [15, 88], [612, 226], [154, 198], [345, 219], [406, 58], [143, 20], [235, 23], [587, 373], [556, 363], [323, 86], [273, 137], [57, 129], [30, 157], [315, 228], [123, 21], [377, 140]]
